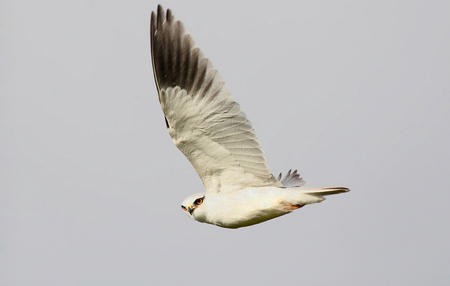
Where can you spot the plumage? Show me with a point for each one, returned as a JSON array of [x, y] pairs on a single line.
[[291, 179], [209, 128], [205, 123]]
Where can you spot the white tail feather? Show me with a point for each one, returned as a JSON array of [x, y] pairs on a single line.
[[325, 191]]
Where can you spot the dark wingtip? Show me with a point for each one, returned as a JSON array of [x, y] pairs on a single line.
[[169, 16], [152, 24], [160, 17]]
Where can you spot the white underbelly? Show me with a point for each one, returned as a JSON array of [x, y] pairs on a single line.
[[245, 207]]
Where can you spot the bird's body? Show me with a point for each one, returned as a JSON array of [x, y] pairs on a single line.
[[251, 206], [210, 129]]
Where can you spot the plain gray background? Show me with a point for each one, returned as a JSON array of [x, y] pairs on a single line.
[[352, 93]]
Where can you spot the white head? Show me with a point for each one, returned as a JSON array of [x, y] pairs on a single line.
[[191, 203]]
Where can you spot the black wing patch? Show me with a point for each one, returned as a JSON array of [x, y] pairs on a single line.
[[177, 61]]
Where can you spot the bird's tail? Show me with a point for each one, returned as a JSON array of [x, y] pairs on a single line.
[[296, 197], [325, 191]]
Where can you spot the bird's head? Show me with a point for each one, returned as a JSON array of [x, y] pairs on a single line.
[[191, 203]]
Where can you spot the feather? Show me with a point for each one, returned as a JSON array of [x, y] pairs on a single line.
[[292, 179]]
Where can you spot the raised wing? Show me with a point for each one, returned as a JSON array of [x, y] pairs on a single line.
[[205, 123]]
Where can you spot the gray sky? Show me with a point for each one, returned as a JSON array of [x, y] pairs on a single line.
[[352, 93]]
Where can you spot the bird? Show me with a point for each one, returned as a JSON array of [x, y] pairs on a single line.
[[209, 128]]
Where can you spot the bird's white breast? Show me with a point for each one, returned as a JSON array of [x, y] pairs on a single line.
[[242, 208]]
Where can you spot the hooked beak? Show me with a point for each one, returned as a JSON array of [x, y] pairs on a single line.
[[190, 210]]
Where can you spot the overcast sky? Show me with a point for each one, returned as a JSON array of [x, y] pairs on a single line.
[[351, 93]]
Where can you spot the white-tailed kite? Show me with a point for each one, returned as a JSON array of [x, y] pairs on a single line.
[[208, 126]]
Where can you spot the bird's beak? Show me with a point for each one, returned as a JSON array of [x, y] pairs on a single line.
[[190, 209]]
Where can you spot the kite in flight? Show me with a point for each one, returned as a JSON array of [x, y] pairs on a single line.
[[210, 129]]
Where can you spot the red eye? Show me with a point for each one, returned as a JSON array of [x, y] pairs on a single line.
[[183, 208], [198, 201]]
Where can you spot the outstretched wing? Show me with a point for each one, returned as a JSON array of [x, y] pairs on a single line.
[[205, 123]]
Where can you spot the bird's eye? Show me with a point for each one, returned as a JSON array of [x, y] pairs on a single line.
[[198, 201], [183, 208]]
